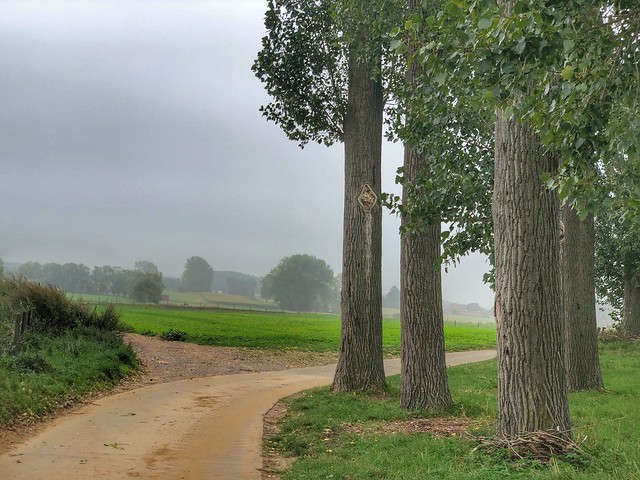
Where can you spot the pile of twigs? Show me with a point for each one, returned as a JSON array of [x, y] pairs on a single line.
[[542, 446]]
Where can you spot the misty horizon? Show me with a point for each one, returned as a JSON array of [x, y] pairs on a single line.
[[131, 131]]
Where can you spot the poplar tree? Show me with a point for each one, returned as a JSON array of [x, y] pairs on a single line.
[[546, 68], [321, 62]]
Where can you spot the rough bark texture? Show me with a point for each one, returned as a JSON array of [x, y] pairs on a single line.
[[532, 386], [360, 365], [423, 366], [631, 308], [424, 370], [579, 295]]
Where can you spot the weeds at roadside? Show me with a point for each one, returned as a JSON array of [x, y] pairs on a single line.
[[70, 351], [174, 335]]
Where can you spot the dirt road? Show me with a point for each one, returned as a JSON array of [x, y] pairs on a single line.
[[204, 428]]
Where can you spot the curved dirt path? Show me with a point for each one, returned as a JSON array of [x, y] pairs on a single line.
[[201, 429]]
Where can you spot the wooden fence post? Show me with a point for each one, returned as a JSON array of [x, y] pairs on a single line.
[[17, 332], [25, 322]]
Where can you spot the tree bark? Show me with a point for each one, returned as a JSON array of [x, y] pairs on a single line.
[[423, 366], [579, 298], [532, 388], [360, 364], [424, 381], [631, 307]]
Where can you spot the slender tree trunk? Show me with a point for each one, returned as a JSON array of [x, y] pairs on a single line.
[[423, 366], [631, 308], [424, 370], [360, 365], [579, 295], [532, 386]]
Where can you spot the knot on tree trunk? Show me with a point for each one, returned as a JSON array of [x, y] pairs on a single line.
[[368, 198]]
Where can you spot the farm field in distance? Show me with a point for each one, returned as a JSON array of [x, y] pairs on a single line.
[[278, 330], [192, 299]]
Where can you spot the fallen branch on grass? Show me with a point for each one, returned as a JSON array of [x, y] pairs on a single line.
[[542, 446]]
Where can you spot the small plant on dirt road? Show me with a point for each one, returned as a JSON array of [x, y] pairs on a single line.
[[174, 335]]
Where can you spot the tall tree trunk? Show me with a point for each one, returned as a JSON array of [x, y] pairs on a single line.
[[360, 365], [532, 386], [423, 366], [631, 308], [579, 295]]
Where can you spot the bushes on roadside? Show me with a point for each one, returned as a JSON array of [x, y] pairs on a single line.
[[174, 335], [69, 351], [55, 312]]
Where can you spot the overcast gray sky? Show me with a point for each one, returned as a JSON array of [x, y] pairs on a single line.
[[130, 130]]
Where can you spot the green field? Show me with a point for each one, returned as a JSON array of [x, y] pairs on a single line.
[[192, 299], [338, 436], [255, 329]]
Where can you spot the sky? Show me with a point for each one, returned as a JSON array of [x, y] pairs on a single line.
[[130, 130]]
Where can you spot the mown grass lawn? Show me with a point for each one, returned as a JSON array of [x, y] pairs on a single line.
[[313, 332], [608, 422]]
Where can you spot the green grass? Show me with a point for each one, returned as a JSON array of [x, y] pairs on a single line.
[[95, 298], [192, 299], [47, 371], [313, 332], [610, 422], [212, 299]]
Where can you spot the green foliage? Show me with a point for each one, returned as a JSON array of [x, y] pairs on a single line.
[[1, 268], [301, 283], [77, 278], [303, 67], [146, 287], [337, 436], [71, 277], [304, 57], [312, 332], [107, 320], [617, 258], [453, 134], [145, 266], [567, 69], [54, 311], [109, 280], [197, 275], [174, 335], [48, 372]]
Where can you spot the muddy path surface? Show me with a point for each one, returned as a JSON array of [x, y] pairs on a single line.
[[200, 428]]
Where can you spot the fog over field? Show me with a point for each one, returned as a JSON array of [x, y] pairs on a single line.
[[130, 130]]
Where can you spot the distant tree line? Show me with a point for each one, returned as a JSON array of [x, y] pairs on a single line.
[[198, 276], [142, 283]]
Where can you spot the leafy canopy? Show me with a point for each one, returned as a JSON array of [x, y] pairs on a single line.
[[568, 68], [301, 283], [197, 275]]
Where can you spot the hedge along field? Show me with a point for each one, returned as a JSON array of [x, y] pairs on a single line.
[[303, 331]]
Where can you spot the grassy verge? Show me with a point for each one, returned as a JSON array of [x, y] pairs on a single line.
[[313, 332], [335, 435], [50, 371], [68, 351]]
